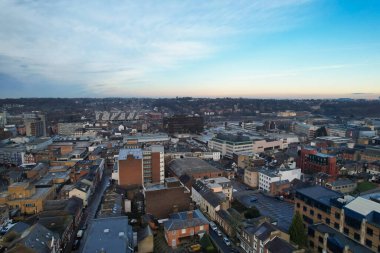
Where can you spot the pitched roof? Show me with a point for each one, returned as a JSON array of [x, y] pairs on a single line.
[[210, 196], [278, 245], [182, 220]]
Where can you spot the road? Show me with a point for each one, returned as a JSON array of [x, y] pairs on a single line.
[[92, 208], [279, 210], [218, 240]]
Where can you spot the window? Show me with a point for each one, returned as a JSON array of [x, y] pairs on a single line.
[[201, 228], [320, 239], [305, 208], [319, 216], [298, 205], [255, 245], [336, 225], [311, 243], [320, 249], [311, 212], [357, 236], [337, 215], [346, 230], [327, 221], [184, 231], [369, 231], [368, 243]]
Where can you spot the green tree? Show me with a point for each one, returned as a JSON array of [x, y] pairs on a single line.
[[297, 231], [252, 213]]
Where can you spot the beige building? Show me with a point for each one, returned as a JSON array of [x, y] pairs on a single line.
[[26, 197], [251, 177]]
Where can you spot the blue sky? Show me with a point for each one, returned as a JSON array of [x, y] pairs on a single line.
[[256, 48]]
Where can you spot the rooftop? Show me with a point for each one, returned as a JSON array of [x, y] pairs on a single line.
[[190, 165], [339, 238], [320, 194], [113, 235], [135, 152], [278, 245], [184, 220]]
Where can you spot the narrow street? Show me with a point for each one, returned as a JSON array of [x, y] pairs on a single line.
[[91, 210]]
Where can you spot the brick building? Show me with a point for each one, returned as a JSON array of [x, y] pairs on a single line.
[[163, 199], [311, 161], [136, 167], [184, 224]]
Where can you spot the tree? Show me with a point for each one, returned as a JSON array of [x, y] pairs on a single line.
[[297, 231], [252, 213]]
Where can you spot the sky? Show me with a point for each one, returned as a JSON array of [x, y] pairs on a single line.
[[254, 49]]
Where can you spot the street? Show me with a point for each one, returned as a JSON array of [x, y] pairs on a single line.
[[218, 240], [91, 210]]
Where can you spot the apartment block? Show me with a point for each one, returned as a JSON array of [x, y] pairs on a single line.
[[140, 166]]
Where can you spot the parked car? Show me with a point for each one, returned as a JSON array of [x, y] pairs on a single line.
[[79, 233], [219, 232], [226, 241], [76, 245], [253, 199]]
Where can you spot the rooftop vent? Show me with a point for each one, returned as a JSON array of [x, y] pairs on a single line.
[[106, 230], [121, 234]]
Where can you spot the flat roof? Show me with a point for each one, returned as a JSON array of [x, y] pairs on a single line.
[[190, 165], [113, 235], [135, 152], [320, 194], [363, 206]]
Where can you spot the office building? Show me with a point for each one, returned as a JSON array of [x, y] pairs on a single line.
[[183, 124], [311, 161]]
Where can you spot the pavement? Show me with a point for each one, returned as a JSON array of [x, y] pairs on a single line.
[[279, 210]]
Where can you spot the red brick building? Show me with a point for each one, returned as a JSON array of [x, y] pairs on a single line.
[[184, 224], [311, 161]]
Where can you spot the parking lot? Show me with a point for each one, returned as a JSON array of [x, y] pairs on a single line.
[[279, 210]]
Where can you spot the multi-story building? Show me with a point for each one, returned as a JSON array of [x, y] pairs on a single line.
[[267, 177], [251, 177], [260, 238], [162, 199], [311, 161], [355, 218], [139, 166], [208, 200], [305, 130], [26, 197], [35, 124], [183, 124], [69, 128], [229, 144]]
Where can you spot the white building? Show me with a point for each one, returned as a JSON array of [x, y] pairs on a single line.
[[82, 191], [266, 177], [305, 129]]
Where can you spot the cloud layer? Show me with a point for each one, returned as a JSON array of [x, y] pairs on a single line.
[[113, 48]]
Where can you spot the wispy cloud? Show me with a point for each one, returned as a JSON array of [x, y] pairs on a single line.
[[118, 45]]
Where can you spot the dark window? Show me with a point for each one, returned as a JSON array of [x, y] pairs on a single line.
[[298, 205], [336, 225], [320, 239], [305, 208], [311, 243], [346, 230], [337, 215], [319, 216], [310, 232], [369, 231], [320, 250], [311, 212], [327, 221], [368, 243], [357, 236]]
